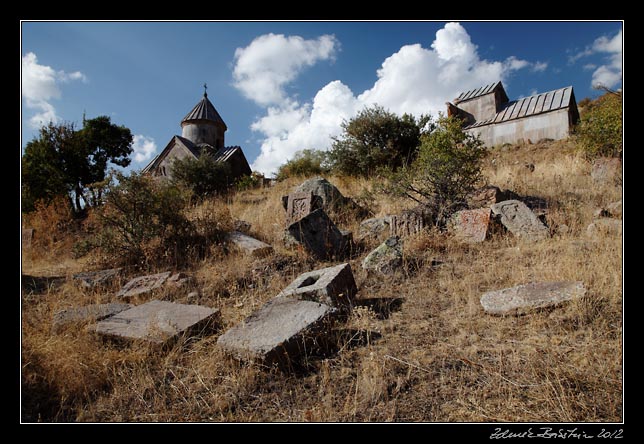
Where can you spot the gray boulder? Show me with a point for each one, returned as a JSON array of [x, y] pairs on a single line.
[[386, 258], [332, 198]]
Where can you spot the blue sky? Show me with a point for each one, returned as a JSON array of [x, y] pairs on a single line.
[[286, 86]]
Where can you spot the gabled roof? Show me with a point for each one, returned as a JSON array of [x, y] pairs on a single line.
[[225, 153], [159, 157], [204, 110], [533, 105], [478, 92], [222, 154]]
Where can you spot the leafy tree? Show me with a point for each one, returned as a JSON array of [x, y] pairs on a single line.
[[376, 138], [447, 169], [304, 163], [62, 160], [600, 131], [203, 176]]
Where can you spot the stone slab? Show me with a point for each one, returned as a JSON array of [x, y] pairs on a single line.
[[319, 235], [407, 223], [143, 284], [604, 226], [249, 245], [374, 227], [333, 286], [279, 332], [27, 237], [158, 321], [523, 298], [386, 258], [520, 220], [90, 313], [471, 225], [298, 205], [91, 279]]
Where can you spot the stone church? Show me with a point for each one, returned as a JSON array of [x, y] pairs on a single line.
[[202, 130]]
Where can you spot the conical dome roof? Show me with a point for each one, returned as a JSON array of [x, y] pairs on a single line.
[[204, 110]]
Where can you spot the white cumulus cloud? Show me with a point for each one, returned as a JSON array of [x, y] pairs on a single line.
[[40, 86], [414, 80], [608, 74], [143, 148], [273, 60]]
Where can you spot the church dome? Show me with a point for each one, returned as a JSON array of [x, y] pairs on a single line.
[[204, 110]]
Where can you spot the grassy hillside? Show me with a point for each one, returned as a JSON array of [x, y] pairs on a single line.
[[434, 356]]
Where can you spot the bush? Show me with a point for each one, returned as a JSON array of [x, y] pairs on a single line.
[[374, 139], [203, 176], [52, 221], [255, 180], [142, 222], [600, 131], [447, 169], [305, 163]]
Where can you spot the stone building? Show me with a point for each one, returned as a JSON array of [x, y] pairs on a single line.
[[489, 113], [202, 130]]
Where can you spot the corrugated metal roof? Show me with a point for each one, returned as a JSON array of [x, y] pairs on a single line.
[[477, 92], [530, 106], [204, 110], [224, 153]]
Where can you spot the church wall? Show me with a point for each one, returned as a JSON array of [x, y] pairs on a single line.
[[553, 125], [482, 108]]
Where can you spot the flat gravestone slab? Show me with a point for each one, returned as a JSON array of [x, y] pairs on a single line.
[[334, 286], [143, 284], [298, 206], [280, 331], [90, 313], [27, 237], [249, 245], [520, 220], [471, 225], [91, 279], [158, 321], [523, 298], [319, 235]]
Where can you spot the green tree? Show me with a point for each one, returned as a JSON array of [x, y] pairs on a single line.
[[203, 176], [304, 163], [62, 160], [447, 169], [376, 138], [600, 131]]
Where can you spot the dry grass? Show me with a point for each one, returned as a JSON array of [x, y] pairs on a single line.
[[436, 357]]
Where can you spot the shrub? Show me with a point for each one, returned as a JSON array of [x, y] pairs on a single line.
[[140, 213], [254, 180], [203, 176], [600, 131], [305, 163], [52, 221], [447, 168], [374, 139]]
